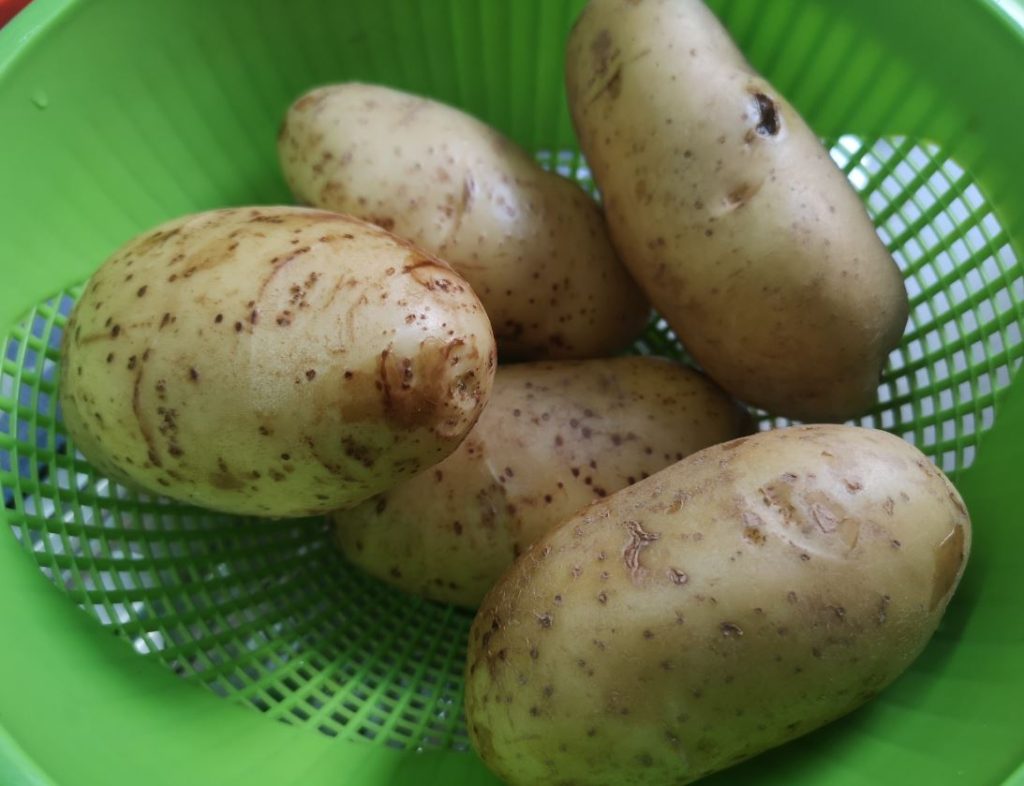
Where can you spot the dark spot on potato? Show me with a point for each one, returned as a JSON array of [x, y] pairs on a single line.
[[141, 291], [602, 597], [731, 630], [769, 123], [193, 375], [534, 653], [110, 357], [545, 620], [238, 327]]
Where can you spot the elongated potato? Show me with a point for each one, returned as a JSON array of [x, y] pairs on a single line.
[[533, 245], [553, 438], [273, 361], [738, 599], [729, 212]]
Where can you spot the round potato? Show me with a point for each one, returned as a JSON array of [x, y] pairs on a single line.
[[738, 599], [553, 438], [532, 244], [730, 213], [273, 361]]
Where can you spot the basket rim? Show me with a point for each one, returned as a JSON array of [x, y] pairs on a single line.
[[24, 31]]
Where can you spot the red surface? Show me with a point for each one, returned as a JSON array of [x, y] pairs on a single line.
[[8, 8]]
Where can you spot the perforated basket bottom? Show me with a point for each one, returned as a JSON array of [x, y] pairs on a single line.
[[269, 615]]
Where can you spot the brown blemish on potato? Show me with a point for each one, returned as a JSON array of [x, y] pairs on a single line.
[[949, 558], [612, 87], [769, 123], [144, 427], [753, 534], [601, 51], [731, 630], [740, 195], [418, 391], [387, 223], [955, 499], [426, 271], [225, 479]]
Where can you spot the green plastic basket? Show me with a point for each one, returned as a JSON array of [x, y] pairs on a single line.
[[148, 642]]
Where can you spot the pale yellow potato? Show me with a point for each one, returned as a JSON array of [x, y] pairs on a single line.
[[533, 244], [273, 361], [554, 437], [729, 212], [738, 599]]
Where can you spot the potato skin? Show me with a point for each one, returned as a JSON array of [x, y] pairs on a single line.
[[554, 437], [533, 244], [730, 213], [273, 361], [738, 599]]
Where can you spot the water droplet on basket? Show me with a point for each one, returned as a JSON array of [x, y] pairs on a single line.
[[40, 99]]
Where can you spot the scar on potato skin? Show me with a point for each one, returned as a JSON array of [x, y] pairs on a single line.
[[639, 539], [949, 557]]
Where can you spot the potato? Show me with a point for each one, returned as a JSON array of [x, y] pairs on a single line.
[[553, 438], [730, 213], [738, 599], [273, 361], [532, 244]]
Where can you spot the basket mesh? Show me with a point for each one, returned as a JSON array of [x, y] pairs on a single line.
[[267, 613]]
